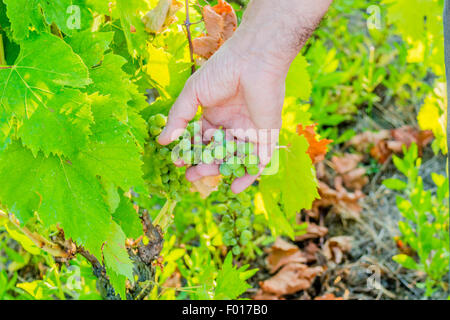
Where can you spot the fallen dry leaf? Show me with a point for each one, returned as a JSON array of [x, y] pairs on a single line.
[[340, 200], [353, 177], [313, 231], [368, 139], [282, 253], [386, 142], [328, 296], [310, 252], [292, 278], [220, 23], [317, 148], [346, 163], [161, 16], [174, 281], [262, 295], [335, 248], [206, 185]]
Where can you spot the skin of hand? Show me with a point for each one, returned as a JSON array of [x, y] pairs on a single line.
[[242, 86]]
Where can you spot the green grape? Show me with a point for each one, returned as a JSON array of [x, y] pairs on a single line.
[[221, 208], [220, 152], [154, 130], [187, 157], [252, 170], [245, 237], [240, 149], [185, 144], [165, 169], [242, 224], [164, 151], [207, 157], [173, 175], [160, 120], [225, 170], [165, 178], [249, 148], [174, 184], [231, 147], [251, 159], [236, 250], [239, 172], [219, 136]]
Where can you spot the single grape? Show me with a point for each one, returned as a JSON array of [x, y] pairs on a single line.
[[236, 250], [219, 136], [240, 149], [252, 170], [231, 147], [219, 152], [185, 144], [160, 120], [154, 130], [249, 148], [225, 170], [242, 224], [251, 159], [207, 157], [165, 178], [239, 172]]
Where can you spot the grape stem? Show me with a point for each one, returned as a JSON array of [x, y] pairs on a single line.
[[164, 217], [188, 24]]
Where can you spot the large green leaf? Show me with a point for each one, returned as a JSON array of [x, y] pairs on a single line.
[[45, 65]]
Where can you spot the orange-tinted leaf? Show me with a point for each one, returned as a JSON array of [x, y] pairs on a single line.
[[317, 148], [220, 23]]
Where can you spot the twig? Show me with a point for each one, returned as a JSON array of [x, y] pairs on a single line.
[[188, 24], [42, 243]]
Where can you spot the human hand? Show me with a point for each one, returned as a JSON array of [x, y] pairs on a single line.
[[241, 89]]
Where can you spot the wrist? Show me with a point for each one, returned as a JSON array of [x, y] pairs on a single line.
[[275, 31]]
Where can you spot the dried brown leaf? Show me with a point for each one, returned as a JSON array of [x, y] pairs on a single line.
[[313, 231], [282, 253], [335, 248], [292, 278]]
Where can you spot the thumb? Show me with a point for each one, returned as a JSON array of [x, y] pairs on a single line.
[[183, 111]]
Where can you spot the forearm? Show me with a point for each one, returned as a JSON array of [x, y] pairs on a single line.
[[277, 30]]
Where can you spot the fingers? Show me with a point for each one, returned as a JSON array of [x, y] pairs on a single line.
[[181, 113], [240, 184], [202, 170]]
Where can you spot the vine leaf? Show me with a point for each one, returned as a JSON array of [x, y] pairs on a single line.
[[63, 193], [45, 65], [90, 46], [109, 79], [294, 186], [63, 128], [132, 26], [128, 219], [117, 262], [113, 153], [298, 81]]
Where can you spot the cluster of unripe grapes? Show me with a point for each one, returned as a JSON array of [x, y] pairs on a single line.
[[172, 183], [236, 216], [235, 158]]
